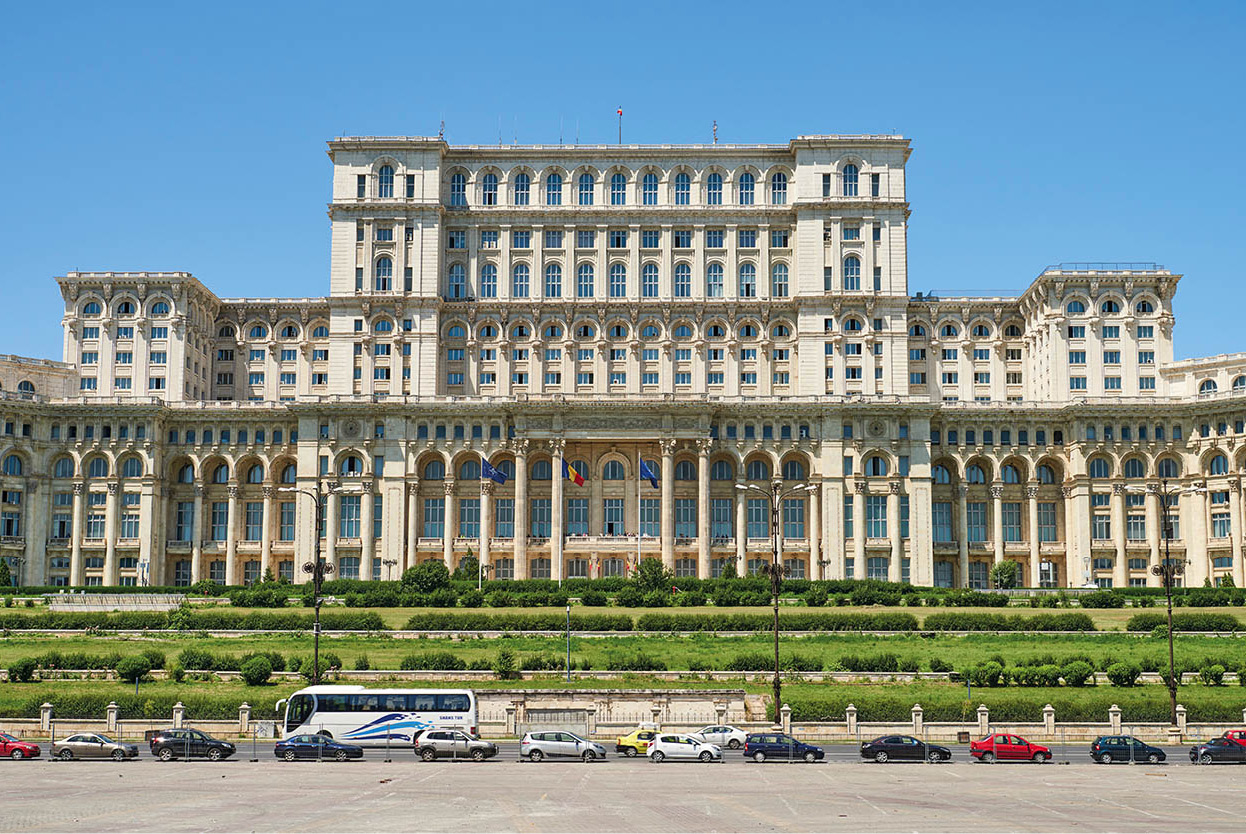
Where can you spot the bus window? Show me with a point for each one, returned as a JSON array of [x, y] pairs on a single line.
[[426, 702], [394, 703], [453, 703], [298, 711]]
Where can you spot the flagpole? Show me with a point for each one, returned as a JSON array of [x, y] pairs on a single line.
[[639, 460]]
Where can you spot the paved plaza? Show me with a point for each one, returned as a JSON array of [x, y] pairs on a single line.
[[615, 796]]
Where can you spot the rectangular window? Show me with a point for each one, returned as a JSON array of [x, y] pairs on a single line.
[[585, 238], [469, 518], [651, 517], [714, 238], [1219, 525], [1111, 357], [848, 519], [285, 530], [612, 517], [976, 521], [758, 518], [553, 239], [1146, 357], [1077, 331], [540, 522], [576, 523], [521, 239], [1012, 521], [219, 521], [942, 521], [978, 573], [1111, 331], [1135, 528], [779, 238], [504, 518], [254, 524], [1077, 383], [794, 518], [876, 516], [685, 518], [721, 521], [434, 517], [349, 509], [1146, 331], [746, 238], [1101, 526]]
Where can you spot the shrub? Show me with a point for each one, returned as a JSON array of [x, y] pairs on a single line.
[[659, 598], [871, 663], [985, 674], [725, 596], [256, 671], [362, 663], [427, 576], [1077, 673], [593, 599], [445, 661], [307, 670], [1123, 674], [639, 662], [1212, 675], [504, 666], [471, 599], [967, 621], [500, 599], [629, 597], [177, 673], [1006, 574], [1150, 620], [192, 658], [816, 597], [964, 598], [690, 599], [938, 664], [1102, 599], [22, 670], [651, 575], [133, 668]]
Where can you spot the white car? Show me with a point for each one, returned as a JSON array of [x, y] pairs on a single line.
[[722, 735], [680, 746]]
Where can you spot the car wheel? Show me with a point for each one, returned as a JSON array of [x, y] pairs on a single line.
[[989, 758], [759, 757], [658, 756], [165, 754], [589, 755], [630, 752], [1205, 759], [881, 757], [1039, 758], [537, 755], [734, 744], [340, 755], [1106, 758], [810, 757], [118, 755], [214, 754], [706, 757], [289, 755], [478, 755], [1153, 758], [65, 755], [428, 754], [17, 755], [934, 757]]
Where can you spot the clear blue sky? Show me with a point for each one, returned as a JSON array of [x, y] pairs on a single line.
[[179, 137]]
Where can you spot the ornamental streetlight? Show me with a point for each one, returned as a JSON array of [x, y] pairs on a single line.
[[775, 570], [1169, 570], [318, 568]]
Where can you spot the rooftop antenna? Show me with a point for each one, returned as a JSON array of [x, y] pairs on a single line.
[[560, 130], [441, 131], [515, 129], [577, 131], [620, 125], [716, 131], [499, 130]]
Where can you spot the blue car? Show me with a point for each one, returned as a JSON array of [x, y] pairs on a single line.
[[1109, 749], [762, 746], [316, 746]]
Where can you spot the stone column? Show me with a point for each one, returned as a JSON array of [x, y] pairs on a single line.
[[75, 560], [1196, 540], [110, 535], [447, 526], [1114, 718], [997, 521], [917, 719], [850, 717], [330, 528], [741, 533], [557, 448], [1120, 567], [266, 533], [34, 558], [521, 510], [894, 566], [984, 720], [179, 715], [668, 502], [1049, 720], [486, 520], [231, 537], [244, 718], [196, 536], [962, 535], [1072, 537], [1154, 531], [112, 711], [411, 553], [1235, 521], [815, 532], [703, 509], [367, 543], [858, 531], [1036, 555]]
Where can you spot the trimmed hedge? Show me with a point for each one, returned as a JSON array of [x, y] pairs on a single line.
[[966, 621], [796, 621], [185, 619], [1150, 620], [481, 621], [153, 707]]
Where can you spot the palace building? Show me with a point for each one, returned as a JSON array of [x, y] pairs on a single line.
[[732, 315]]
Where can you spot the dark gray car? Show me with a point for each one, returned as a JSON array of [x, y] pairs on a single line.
[[452, 744]]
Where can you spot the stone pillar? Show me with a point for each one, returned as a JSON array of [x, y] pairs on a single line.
[[858, 531], [1235, 521], [196, 536], [741, 533], [331, 510], [113, 710], [520, 541], [720, 712], [1114, 718], [850, 715], [511, 731], [1036, 554], [962, 535], [558, 449], [110, 535], [655, 711], [997, 521], [447, 523], [1120, 567], [231, 537], [668, 502], [34, 558], [984, 720], [1199, 568], [411, 552], [1049, 720], [244, 718], [179, 715], [45, 717], [815, 533], [785, 718], [1154, 532], [917, 719], [266, 533], [1181, 718], [703, 509], [367, 541], [76, 564], [894, 567], [486, 523]]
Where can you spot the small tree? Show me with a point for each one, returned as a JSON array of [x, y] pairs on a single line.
[[1124, 674], [427, 577], [268, 576], [505, 667], [257, 671], [133, 669], [468, 569], [1006, 574], [651, 575], [729, 570], [22, 670], [6, 576]]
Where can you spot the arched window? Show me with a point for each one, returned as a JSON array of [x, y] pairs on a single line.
[[160, 308], [876, 465], [618, 332], [1207, 386], [981, 331], [1239, 385], [542, 470], [613, 471], [852, 273], [320, 331], [1046, 475], [220, 475], [584, 281], [1168, 469], [488, 331], [456, 331], [1075, 308], [580, 466], [255, 475], [132, 468], [715, 331], [435, 470], [553, 190], [289, 332], [748, 281], [949, 331], [522, 189], [586, 189], [385, 181], [1144, 308], [1100, 468], [1009, 474], [618, 189], [1134, 469], [649, 280], [227, 332], [27, 388], [1012, 332], [850, 180], [1109, 306], [778, 281], [488, 281], [519, 332], [917, 331], [553, 281], [585, 332], [489, 190], [519, 281], [552, 332], [975, 475], [683, 189], [722, 470], [649, 189], [458, 189], [618, 281], [507, 468], [778, 189], [683, 332], [126, 308], [383, 326], [852, 325], [793, 470], [683, 280], [685, 470], [746, 188], [186, 475], [1218, 465], [714, 281], [780, 331], [940, 474], [650, 331], [469, 470], [383, 280], [12, 465], [350, 465], [97, 468], [91, 309], [757, 470], [289, 474], [748, 331], [456, 281], [714, 189], [259, 331], [63, 468]]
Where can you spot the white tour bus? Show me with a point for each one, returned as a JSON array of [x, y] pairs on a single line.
[[373, 717]]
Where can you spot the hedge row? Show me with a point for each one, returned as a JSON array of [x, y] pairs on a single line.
[[153, 708], [1151, 620], [966, 621], [188, 620], [798, 621]]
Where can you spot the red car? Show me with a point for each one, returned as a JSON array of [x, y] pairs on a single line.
[[16, 749], [1236, 735], [1008, 748]]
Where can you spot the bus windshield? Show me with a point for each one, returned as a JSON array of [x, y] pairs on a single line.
[[298, 711]]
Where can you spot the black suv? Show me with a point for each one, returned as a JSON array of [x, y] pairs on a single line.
[[167, 745]]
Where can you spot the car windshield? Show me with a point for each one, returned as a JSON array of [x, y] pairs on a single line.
[[7, 737]]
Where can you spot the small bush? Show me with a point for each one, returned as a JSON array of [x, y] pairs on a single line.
[[329, 660], [471, 599], [177, 673], [133, 668], [1102, 599], [427, 577], [256, 671], [629, 597], [657, 599], [639, 662], [444, 661], [23, 670], [1077, 673], [1212, 675], [362, 664], [1123, 674], [593, 599], [816, 597], [500, 599], [504, 666], [938, 664]]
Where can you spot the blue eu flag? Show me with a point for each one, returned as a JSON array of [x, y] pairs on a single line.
[[647, 474], [487, 471]]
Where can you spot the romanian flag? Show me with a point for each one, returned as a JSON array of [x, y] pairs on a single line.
[[569, 472]]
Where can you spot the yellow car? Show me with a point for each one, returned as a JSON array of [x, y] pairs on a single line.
[[635, 743]]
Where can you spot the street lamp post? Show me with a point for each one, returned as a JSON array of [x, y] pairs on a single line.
[[775, 569]]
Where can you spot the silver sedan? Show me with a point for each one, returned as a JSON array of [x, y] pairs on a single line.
[[721, 734], [93, 746]]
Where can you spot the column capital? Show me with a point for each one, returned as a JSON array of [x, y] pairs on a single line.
[[233, 491], [199, 490], [1067, 492], [997, 492], [413, 486], [667, 446], [894, 487], [268, 492], [78, 487], [704, 446], [112, 487], [557, 445], [861, 487], [487, 486], [1235, 485], [1118, 489], [449, 487], [520, 447], [1031, 492], [367, 486]]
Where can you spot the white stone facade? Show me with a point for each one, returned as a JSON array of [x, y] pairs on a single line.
[[730, 313]]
